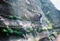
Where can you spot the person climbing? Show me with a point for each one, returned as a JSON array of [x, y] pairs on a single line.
[[24, 31], [40, 18]]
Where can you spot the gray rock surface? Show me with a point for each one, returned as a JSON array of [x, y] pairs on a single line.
[[29, 11], [51, 12]]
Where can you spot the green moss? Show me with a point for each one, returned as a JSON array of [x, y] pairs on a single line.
[[25, 17], [49, 24], [54, 34], [4, 30], [44, 28], [29, 30], [10, 31], [49, 17], [15, 17], [10, 17], [15, 32], [49, 38]]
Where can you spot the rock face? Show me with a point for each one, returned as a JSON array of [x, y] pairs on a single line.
[[28, 11], [24, 9], [51, 12]]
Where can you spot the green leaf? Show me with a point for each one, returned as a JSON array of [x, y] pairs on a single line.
[[15, 17], [4, 30], [10, 17], [10, 31], [20, 33], [55, 33], [44, 28]]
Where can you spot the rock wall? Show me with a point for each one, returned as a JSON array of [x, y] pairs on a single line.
[[27, 10], [30, 10], [51, 12]]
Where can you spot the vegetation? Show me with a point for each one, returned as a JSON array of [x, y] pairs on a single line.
[[13, 17], [25, 17]]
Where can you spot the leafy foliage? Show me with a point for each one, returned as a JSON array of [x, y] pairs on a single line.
[[25, 17]]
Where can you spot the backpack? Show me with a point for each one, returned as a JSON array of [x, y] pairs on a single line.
[[40, 15]]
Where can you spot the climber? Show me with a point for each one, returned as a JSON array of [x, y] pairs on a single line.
[[40, 18], [24, 30]]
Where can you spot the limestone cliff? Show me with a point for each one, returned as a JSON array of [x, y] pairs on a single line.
[[15, 12]]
